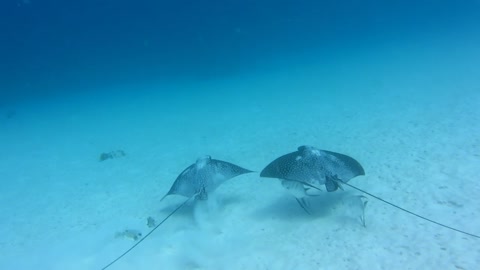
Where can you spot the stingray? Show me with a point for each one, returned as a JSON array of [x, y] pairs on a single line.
[[203, 177], [311, 168], [196, 181]]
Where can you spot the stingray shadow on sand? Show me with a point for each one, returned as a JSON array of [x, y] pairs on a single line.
[[321, 206]]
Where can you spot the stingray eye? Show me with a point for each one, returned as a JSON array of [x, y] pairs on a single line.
[[297, 158]]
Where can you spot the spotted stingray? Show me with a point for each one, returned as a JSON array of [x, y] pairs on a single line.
[[203, 177], [196, 181], [312, 168], [308, 168]]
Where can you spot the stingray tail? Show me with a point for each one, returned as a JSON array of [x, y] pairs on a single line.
[[408, 211], [148, 234]]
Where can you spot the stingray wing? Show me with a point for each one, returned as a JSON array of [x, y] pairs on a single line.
[[343, 166], [187, 183], [227, 170], [221, 171]]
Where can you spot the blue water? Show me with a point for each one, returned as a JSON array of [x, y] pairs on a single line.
[[51, 45], [394, 84]]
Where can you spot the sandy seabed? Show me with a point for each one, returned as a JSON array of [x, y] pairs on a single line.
[[409, 114]]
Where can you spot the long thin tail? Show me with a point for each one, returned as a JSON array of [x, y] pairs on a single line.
[[410, 212], [148, 234]]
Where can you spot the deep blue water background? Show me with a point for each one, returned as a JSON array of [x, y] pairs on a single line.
[[51, 46], [395, 84]]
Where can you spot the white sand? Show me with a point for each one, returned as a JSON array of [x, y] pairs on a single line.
[[409, 113]]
